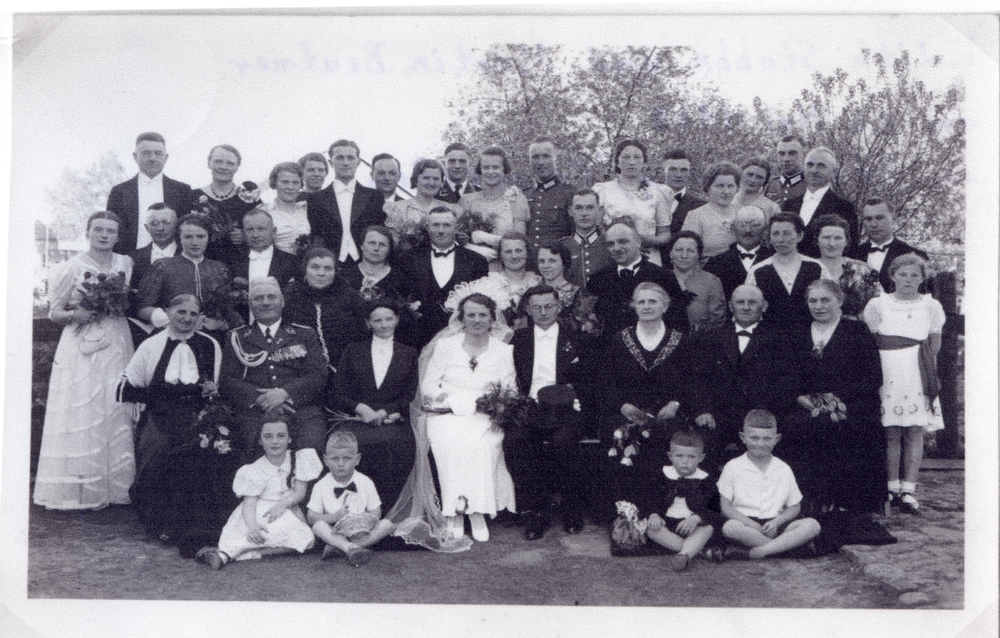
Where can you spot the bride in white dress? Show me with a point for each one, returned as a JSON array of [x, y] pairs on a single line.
[[87, 458], [467, 449]]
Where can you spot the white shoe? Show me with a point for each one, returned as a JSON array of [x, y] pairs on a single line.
[[480, 531], [456, 526]]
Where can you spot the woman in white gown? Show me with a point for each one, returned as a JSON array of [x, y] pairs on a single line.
[[467, 448], [87, 459]]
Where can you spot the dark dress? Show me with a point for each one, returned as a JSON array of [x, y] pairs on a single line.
[[838, 463], [209, 280], [337, 313], [182, 491], [224, 214], [395, 286], [785, 310], [387, 451]]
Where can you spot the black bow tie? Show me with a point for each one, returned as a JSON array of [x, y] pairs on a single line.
[[744, 255], [626, 274], [743, 333], [678, 196], [878, 249], [350, 487], [444, 253]]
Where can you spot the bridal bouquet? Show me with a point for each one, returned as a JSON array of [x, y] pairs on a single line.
[[828, 403], [628, 531], [504, 406], [106, 295]]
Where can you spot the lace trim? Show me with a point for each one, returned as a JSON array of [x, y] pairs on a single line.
[[637, 350]]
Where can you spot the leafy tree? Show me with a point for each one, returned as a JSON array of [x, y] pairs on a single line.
[[79, 193], [895, 138]]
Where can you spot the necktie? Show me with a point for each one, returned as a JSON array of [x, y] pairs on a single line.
[[350, 487], [444, 253], [267, 334]]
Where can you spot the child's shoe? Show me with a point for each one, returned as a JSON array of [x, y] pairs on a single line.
[[679, 562], [211, 557], [908, 503], [359, 556]]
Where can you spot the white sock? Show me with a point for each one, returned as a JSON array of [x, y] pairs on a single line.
[[894, 486], [906, 486]]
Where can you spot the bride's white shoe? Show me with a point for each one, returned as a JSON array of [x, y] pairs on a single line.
[[480, 531], [456, 526]]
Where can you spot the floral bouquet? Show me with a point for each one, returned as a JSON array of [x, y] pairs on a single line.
[[584, 316], [469, 223], [504, 406], [305, 242], [219, 303], [628, 439], [412, 234], [337, 418], [218, 220], [106, 295], [213, 423], [628, 531], [828, 403]]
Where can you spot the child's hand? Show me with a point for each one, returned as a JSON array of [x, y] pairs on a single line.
[[257, 535], [654, 523], [770, 529], [688, 525], [275, 512]]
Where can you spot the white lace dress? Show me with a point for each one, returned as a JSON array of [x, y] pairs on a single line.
[[87, 457], [467, 450]]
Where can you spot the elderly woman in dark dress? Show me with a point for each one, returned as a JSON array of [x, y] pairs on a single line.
[[838, 457], [225, 202], [376, 380]]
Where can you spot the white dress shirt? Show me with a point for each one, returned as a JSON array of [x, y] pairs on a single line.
[[876, 258], [634, 267], [744, 341], [809, 203], [747, 261], [273, 328], [162, 253], [260, 263], [675, 199], [443, 267], [543, 370], [150, 192], [345, 199], [381, 358]]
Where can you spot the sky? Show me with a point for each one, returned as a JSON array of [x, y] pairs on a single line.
[[278, 86]]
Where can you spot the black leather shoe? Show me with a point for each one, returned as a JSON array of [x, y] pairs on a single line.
[[536, 527], [573, 523]]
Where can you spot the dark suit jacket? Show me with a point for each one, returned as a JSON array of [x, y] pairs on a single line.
[[568, 356], [294, 362], [469, 266], [324, 215], [452, 196], [727, 383], [354, 381], [830, 204], [688, 203], [728, 267], [123, 200], [284, 268], [614, 296], [895, 249]]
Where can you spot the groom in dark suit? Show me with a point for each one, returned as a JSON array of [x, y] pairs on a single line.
[[819, 200], [259, 258], [882, 246], [739, 366], [339, 213], [547, 359], [131, 199], [434, 271]]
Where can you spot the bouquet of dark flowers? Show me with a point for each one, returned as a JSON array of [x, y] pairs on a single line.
[[218, 220], [106, 295], [504, 406], [220, 302], [628, 531], [629, 438], [214, 424], [412, 235], [305, 242], [584, 316], [828, 403], [469, 223]]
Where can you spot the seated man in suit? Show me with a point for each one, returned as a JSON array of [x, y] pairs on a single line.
[[882, 246], [677, 171], [259, 259], [732, 266], [131, 199], [161, 224], [339, 214], [613, 286], [457, 160], [386, 172], [789, 183], [547, 359], [739, 366], [272, 365], [434, 271], [586, 245], [819, 200]]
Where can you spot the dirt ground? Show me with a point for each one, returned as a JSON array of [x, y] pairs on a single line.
[[104, 555]]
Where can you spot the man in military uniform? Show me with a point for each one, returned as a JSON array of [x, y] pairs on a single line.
[[586, 243], [272, 366], [790, 182], [549, 198]]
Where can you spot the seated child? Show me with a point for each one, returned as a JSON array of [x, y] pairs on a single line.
[[269, 520], [680, 500], [759, 496], [344, 509]]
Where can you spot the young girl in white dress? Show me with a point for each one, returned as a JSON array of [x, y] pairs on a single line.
[[908, 327], [269, 521]]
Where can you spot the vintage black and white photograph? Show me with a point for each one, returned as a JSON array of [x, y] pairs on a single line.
[[500, 320]]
